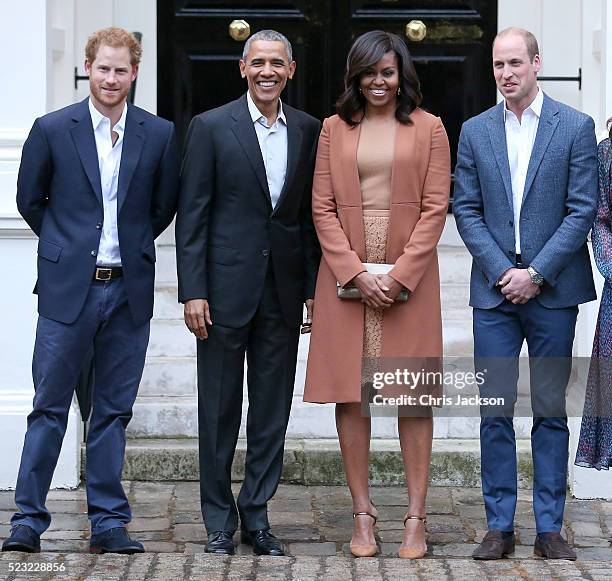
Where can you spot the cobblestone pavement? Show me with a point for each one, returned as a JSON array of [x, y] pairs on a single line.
[[315, 523]]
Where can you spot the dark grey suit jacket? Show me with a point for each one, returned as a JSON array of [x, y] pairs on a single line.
[[226, 229]]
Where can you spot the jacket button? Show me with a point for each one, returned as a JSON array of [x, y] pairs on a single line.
[[265, 252], [511, 252], [99, 226], [94, 252], [510, 223]]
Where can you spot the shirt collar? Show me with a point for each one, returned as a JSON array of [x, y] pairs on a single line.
[[257, 115], [535, 106], [97, 118]]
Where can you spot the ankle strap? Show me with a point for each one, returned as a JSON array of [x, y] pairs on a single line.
[[413, 517], [355, 514]]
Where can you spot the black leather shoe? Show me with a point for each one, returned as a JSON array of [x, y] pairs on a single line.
[[494, 546], [115, 540], [23, 538], [264, 542], [221, 543], [553, 546]]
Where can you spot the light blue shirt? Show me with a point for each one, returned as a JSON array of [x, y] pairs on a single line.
[[273, 145], [109, 161]]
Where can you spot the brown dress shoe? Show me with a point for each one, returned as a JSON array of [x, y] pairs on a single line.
[[553, 546], [494, 546]]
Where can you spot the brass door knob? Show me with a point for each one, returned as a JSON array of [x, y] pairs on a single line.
[[239, 30], [416, 30]]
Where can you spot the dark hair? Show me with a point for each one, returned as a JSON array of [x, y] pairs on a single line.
[[609, 124], [366, 51]]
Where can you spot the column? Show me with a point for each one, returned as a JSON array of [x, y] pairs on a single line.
[[27, 29]]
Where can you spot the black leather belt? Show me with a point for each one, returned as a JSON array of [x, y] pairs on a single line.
[[519, 262], [106, 273]]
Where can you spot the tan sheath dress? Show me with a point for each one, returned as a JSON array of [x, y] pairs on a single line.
[[374, 161]]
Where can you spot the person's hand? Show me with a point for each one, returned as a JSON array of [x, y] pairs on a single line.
[[197, 316], [372, 291], [395, 288], [307, 324], [517, 287]]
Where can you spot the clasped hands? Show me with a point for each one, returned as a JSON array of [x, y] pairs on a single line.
[[378, 291], [517, 287]]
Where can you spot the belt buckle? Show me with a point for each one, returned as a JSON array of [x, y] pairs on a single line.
[[103, 274]]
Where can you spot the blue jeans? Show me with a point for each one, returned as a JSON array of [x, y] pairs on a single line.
[[499, 333], [105, 323]]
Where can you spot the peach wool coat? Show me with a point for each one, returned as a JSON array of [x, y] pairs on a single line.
[[420, 185]]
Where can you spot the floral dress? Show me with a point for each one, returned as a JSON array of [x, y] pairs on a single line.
[[595, 444]]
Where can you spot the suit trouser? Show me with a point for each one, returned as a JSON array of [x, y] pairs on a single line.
[[270, 345], [498, 337], [59, 352]]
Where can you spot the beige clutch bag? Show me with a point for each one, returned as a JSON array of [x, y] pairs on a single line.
[[351, 292]]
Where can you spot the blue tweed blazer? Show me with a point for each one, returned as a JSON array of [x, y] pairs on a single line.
[[558, 209]]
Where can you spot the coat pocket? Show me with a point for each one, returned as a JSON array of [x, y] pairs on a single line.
[[49, 250], [149, 252]]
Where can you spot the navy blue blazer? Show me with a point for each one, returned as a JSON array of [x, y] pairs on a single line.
[[558, 209], [59, 195]]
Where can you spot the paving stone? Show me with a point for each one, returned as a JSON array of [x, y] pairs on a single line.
[[586, 529], [288, 518], [454, 550], [69, 522], [150, 510], [189, 532], [64, 545], [312, 549], [315, 524], [139, 566], [149, 524], [307, 568], [595, 554], [160, 547], [591, 542], [186, 518]]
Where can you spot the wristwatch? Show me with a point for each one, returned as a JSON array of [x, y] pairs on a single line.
[[536, 277]]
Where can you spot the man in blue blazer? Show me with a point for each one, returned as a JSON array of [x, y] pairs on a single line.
[[525, 196], [98, 182]]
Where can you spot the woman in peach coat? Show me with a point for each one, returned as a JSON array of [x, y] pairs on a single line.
[[380, 194]]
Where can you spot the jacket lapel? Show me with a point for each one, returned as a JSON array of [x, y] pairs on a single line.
[[85, 144], [497, 136], [247, 138], [549, 119], [133, 141], [352, 185], [294, 146]]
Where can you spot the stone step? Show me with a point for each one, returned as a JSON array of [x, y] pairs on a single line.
[[318, 462], [177, 417]]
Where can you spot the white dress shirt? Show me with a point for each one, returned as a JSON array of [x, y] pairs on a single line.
[[109, 161], [520, 137], [273, 145]]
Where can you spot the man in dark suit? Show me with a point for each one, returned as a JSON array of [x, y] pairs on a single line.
[[525, 197], [98, 182], [247, 258]]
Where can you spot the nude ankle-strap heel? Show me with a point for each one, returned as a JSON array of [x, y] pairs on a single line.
[[364, 550], [409, 552]]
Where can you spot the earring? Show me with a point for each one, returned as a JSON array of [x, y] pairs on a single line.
[[360, 90], [399, 91]]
